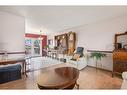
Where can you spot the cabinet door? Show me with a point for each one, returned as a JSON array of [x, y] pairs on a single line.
[[120, 66]]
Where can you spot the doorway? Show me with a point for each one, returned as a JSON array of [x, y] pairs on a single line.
[[33, 46]]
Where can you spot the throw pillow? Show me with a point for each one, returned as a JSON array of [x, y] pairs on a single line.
[[76, 57]]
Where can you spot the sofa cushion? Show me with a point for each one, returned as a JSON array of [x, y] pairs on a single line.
[[75, 57], [80, 51]]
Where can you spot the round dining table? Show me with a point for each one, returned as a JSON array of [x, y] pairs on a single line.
[[58, 78]]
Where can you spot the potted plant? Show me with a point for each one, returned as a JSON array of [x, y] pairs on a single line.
[[46, 47], [97, 56]]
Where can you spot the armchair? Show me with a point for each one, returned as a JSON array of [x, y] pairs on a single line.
[[124, 83], [79, 58]]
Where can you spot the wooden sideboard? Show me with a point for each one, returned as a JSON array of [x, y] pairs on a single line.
[[119, 61], [14, 61]]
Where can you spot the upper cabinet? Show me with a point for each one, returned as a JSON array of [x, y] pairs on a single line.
[[121, 41]]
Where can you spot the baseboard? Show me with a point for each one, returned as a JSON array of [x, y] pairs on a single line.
[[99, 68]]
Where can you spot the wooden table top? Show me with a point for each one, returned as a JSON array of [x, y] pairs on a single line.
[[11, 61], [58, 77]]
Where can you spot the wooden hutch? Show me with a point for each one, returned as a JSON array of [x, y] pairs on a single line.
[[66, 42], [120, 54]]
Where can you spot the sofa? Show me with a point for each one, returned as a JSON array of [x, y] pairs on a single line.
[[10, 73], [81, 63]]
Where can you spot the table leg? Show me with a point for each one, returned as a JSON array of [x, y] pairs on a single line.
[[96, 65], [112, 74], [24, 68], [77, 85]]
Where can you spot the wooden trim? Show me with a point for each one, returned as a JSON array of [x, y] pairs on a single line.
[[13, 53], [121, 34], [99, 51], [99, 68]]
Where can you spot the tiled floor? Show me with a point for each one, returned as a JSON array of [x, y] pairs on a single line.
[[41, 62], [88, 79]]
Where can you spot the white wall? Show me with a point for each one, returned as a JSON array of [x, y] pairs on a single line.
[[12, 32], [100, 36]]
